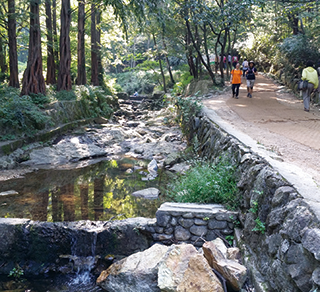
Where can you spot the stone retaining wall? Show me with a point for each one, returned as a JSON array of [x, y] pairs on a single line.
[[192, 223], [285, 250]]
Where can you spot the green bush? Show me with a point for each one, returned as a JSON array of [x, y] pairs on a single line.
[[206, 183], [19, 115]]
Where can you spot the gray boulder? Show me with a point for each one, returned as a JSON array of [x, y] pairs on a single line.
[[150, 193], [138, 272]]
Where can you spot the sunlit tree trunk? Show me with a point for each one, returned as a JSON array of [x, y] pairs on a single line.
[[64, 76], [33, 81], [13, 55], [81, 76], [55, 34], [100, 67], [160, 64], [94, 48], [51, 70]]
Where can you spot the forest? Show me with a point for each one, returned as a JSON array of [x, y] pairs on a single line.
[[52, 50]]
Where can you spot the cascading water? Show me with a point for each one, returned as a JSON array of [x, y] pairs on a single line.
[[83, 263]]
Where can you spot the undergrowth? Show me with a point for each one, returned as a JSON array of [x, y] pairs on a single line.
[[205, 182]]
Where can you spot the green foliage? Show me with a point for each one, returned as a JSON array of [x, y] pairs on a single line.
[[16, 273], [298, 49], [255, 207], [65, 95], [39, 99], [140, 81], [19, 114], [206, 183], [187, 109], [230, 239], [180, 86], [96, 100], [260, 226]]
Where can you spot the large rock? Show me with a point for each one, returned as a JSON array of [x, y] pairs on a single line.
[[150, 193], [137, 272], [173, 266], [234, 273], [199, 277]]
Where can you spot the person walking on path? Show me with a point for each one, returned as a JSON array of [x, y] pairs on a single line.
[[251, 77], [234, 61], [245, 66], [311, 75], [236, 80]]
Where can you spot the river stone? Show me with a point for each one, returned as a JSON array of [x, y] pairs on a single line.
[[234, 273], [162, 218], [150, 193], [181, 234], [186, 223], [180, 167], [199, 277], [215, 224], [173, 266], [137, 272], [199, 230]]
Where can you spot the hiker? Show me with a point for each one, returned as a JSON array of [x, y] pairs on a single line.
[[236, 80], [251, 77], [245, 65], [229, 60], [224, 62], [234, 61], [311, 76]]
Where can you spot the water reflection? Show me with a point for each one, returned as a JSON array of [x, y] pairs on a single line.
[[96, 192]]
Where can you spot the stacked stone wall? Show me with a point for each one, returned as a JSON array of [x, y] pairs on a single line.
[[285, 250], [192, 223]]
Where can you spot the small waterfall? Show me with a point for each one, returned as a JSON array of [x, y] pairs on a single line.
[[84, 260]]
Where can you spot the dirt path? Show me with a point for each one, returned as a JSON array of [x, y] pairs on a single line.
[[276, 120]]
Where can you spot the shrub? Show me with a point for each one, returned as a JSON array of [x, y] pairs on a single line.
[[206, 183], [19, 114]]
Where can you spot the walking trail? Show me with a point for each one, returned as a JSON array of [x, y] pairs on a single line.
[[274, 124]]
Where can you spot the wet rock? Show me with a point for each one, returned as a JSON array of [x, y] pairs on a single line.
[[137, 272], [150, 193]]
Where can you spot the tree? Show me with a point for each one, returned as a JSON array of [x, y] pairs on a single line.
[[33, 81], [94, 48], [81, 74], [13, 55], [64, 76], [51, 68]]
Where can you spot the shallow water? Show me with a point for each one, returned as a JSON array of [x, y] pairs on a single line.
[[101, 191]]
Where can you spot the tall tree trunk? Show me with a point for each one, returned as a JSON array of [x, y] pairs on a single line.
[[94, 48], [192, 68], [55, 34], [160, 64], [167, 60], [64, 76], [51, 69], [100, 67], [13, 56], [207, 66], [3, 67], [33, 81], [81, 76]]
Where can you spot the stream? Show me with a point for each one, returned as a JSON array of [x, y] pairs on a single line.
[[91, 174]]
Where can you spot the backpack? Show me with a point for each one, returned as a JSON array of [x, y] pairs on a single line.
[[303, 85], [250, 74]]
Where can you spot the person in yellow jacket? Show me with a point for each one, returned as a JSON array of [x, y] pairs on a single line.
[[311, 75]]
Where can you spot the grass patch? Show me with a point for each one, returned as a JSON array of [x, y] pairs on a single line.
[[207, 183]]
